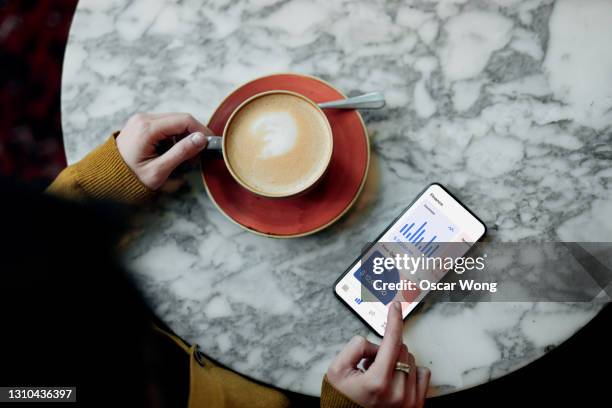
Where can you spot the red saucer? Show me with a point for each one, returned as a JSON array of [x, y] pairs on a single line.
[[313, 210]]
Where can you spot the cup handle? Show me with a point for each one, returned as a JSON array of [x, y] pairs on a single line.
[[214, 143]]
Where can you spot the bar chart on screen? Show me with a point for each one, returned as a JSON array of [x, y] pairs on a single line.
[[426, 228]]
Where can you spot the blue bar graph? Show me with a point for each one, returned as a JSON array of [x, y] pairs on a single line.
[[417, 237], [434, 228], [432, 250], [418, 233], [405, 230], [429, 243]]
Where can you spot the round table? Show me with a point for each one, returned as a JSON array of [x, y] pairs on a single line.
[[509, 105]]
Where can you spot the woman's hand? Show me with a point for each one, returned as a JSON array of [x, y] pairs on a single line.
[[137, 143], [381, 385]]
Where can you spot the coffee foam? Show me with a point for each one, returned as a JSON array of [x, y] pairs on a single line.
[[278, 144], [278, 132]]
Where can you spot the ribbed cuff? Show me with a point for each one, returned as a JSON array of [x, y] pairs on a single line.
[[331, 397], [103, 175]]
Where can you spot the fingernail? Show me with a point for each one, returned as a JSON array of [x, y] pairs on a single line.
[[422, 371], [198, 139], [397, 306]]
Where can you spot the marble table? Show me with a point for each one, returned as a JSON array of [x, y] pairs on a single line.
[[507, 102]]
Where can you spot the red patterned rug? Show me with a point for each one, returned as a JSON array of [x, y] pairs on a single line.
[[33, 37]]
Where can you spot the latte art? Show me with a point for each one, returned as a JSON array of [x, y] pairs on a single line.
[[278, 144], [278, 132]]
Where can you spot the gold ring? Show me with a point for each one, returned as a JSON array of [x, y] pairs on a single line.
[[403, 367]]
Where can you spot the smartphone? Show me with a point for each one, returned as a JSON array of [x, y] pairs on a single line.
[[435, 224]]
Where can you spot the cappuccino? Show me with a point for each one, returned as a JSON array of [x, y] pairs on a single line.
[[278, 144]]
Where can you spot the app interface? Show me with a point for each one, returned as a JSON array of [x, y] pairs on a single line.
[[423, 231]]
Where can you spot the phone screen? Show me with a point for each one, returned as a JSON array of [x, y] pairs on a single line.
[[434, 225]]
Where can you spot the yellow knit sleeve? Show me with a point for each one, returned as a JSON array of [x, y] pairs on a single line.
[[332, 398], [101, 175]]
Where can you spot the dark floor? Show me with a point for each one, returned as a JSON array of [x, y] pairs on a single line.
[[576, 373], [32, 40]]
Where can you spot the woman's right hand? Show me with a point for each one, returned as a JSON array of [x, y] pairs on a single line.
[[381, 385]]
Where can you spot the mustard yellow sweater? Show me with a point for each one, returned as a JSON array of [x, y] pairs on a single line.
[[103, 175]]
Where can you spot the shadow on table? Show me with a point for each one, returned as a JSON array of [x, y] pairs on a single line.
[[573, 370], [570, 371]]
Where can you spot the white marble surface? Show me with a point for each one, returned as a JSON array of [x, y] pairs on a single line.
[[508, 103]]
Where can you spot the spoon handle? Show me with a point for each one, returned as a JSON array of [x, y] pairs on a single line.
[[372, 100]]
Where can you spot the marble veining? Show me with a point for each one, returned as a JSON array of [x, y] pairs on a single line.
[[507, 102]]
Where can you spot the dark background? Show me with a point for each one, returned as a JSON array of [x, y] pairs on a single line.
[[33, 36], [32, 40]]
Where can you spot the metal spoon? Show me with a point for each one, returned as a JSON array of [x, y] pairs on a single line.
[[372, 100]]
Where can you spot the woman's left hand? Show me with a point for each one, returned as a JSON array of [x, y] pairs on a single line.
[[381, 385], [138, 139]]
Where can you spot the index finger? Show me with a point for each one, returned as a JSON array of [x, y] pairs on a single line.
[[389, 349], [173, 124]]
